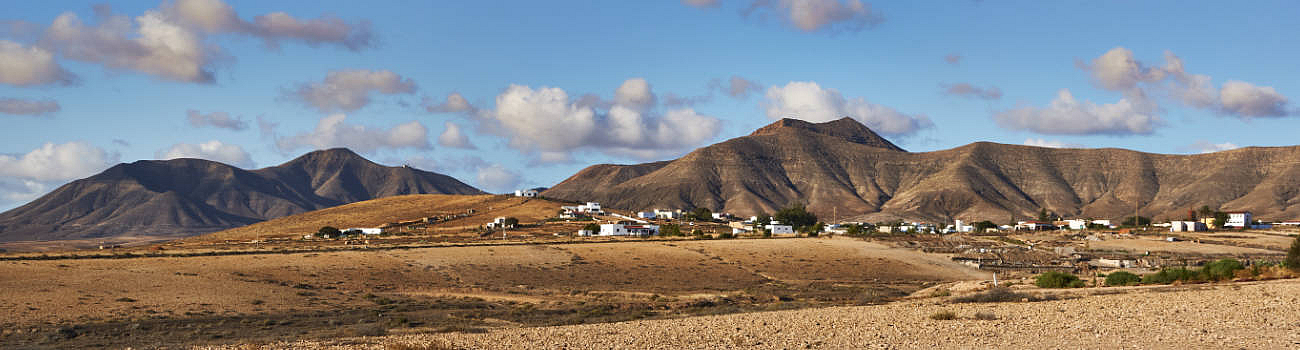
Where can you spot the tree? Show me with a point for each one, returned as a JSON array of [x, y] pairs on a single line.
[[329, 232], [1042, 214], [1204, 212], [1055, 279], [511, 222], [1293, 256], [984, 226], [1220, 218], [796, 215], [670, 230], [1122, 278], [700, 214], [1141, 221], [592, 227]]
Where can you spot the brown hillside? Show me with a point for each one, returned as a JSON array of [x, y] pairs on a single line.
[[836, 173], [373, 213]]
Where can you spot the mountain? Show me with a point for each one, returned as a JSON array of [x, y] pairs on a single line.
[[844, 171], [185, 197]]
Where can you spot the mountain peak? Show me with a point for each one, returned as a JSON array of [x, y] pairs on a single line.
[[845, 128], [331, 157]]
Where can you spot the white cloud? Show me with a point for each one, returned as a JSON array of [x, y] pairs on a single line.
[[737, 87], [17, 191], [212, 150], [818, 15], [1051, 143], [972, 91], [701, 3], [1203, 146], [454, 103], [546, 123], [453, 137], [499, 179], [30, 66], [349, 90], [57, 162], [952, 58], [332, 132], [215, 119], [1117, 70], [152, 44], [1247, 100], [18, 106], [810, 102], [1068, 116], [215, 16]]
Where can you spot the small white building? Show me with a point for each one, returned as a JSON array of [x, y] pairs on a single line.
[[526, 193], [668, 214], [721, 216], [624, 229], [1033, 226], [780, 229], [1077, 224], [1186, 226], [590, 208], [584, 233], [1238, 219], [1105, 223], [366, 230], [645, 214], [499, 222], [1116, 262]]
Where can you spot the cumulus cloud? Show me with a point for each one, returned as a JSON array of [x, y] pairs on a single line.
[[547, 123], [30, 66], [1203, 146], [19, 106], [499, 179], [818, 15], [57, 162], [701, 3], [454, 103], [737, 87], [171, 43], [1051, 143], [215, 119], [808, 101], [453, 137], [1068, 116], [332, 131], [212, 150], [15, 191], [349, 90], [972, 91], [952, 58], [1118, 70]]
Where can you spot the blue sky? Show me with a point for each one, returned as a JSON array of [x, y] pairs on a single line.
[[551, 87]]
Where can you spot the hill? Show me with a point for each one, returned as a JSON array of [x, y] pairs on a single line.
[[844, 171], [185, 197], [376, 212]]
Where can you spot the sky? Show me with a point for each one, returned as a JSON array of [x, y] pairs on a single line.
[[519, 94]]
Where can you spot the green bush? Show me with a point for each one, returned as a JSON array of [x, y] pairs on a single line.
[[1169, 275], [1293, 255], [1122, 278], [943, 315], [1221, 270], [1056, 279], [726, 235]]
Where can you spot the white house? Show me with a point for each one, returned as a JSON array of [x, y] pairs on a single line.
[[668, 214], [1077, 224], [622, 229], [1186, 226], [590, 208], [499, 222], [366, 230], [645, 215], [585, 233], [1238, 219], [780, 229], [1103, 223], [526, 193], [1033, 226]]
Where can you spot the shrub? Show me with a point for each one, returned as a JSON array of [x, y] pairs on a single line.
[[1123, 278], [1293, 256], [795, 215], [985, 316], [726, 235], [1169, 275], [1056, 279], [995, 295], [943, 315], [943, 292], [329, 232], [1221, 270]]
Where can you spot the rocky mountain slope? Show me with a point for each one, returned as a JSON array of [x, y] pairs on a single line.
[[844, 171], [185, 197]]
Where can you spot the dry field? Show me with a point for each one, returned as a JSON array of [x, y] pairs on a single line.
[[276, 296], [1253, 315]]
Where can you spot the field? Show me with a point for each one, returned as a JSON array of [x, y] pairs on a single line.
[[270, 296]]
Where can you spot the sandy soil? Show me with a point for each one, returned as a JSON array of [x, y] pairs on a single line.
[[1258, 315], [1155, 244]]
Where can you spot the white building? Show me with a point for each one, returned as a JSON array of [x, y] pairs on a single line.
[[526, 193], [366, 230], [622, 229], [1077, 224], [780, 229], [1033, 226], [645, 215], [499, 222], [668, 214], [1238, 219], [585, 233], [1186, 226]]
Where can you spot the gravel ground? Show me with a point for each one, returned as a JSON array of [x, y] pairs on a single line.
[[1254, 315]]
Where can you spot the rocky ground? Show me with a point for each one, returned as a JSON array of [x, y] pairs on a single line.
[[1254, 315]]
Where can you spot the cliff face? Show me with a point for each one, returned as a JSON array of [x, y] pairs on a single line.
[[842, 169], [184, 197]]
